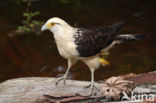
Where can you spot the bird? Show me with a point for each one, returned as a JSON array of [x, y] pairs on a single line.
[[86, 44]]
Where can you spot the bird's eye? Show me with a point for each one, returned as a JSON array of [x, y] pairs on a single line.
[[52, 24]]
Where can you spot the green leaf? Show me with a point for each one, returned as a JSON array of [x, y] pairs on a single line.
[[35, 22], [19, 28], [25, 14], [27, 29], [37, 13], [24, 22]]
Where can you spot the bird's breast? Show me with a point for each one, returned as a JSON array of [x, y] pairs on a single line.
[[66, 47]]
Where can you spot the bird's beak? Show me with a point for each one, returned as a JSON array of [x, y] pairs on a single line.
[[44, 27]]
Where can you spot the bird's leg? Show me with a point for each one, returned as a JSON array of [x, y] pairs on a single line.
[[92, 82], [92, 85], [65, 77]]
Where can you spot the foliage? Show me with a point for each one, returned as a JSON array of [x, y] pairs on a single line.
[[28, 23]]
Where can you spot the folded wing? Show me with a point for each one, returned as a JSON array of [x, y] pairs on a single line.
[[90, 41]]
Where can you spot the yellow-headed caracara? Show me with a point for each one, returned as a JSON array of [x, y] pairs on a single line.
[[85, 44]]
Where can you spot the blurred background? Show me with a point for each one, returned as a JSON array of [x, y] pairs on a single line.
[[26, 52]]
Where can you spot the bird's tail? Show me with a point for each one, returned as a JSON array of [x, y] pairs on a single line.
[[130, 37], [118, 25]]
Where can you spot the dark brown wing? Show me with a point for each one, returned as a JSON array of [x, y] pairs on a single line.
[[91, 41]]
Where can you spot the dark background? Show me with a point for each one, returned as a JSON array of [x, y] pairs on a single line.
[[37, 55]]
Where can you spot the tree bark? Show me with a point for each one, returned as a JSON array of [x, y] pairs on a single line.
[[30, 89], [37, 89]]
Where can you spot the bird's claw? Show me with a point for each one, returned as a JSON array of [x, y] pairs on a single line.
[[87, 86], [64, 78], [92, 89], [92, 86]]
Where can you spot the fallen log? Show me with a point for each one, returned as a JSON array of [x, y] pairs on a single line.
[[30, 89], [44, 90]]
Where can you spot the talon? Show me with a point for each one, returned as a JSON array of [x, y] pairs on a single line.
[[92, 89], [103, 61], [92, 86], [59, 79], [64, 78], [91, 92], [87, 86]]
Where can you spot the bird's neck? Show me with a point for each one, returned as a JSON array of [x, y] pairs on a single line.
[[63, 31], [64, 34]]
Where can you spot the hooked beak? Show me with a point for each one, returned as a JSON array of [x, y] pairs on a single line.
[[44, 27]]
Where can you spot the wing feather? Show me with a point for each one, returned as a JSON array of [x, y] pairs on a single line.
[[90, 41]]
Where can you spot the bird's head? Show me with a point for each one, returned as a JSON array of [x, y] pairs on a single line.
[[55, 25]]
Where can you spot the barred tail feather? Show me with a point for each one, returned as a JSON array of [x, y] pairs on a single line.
[[131, 37], [124, 38]]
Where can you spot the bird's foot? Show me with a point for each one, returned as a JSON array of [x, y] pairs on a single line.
[[63, 78], [89, 86], [92, 86]]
